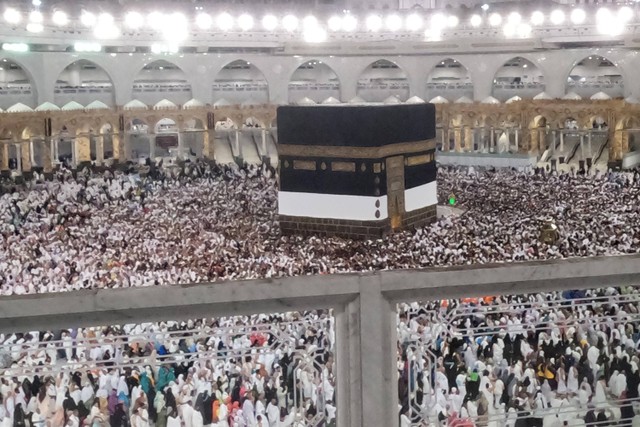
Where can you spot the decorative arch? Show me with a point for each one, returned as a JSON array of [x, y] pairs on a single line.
[[240, 82], [84, 81], [593, 74], [518, 76], [381, 79], [162, 79], [450, 79], [314, 79], [16, 84]]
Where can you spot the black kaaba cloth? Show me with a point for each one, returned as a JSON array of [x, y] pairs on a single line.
[[355, 125]]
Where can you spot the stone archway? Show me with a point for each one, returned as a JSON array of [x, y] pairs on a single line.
[[518, 77], [381, 80], [16, 85], [314, 80], [84, 81], [160, 80], [595, 74], [449, 79], [240, 82]]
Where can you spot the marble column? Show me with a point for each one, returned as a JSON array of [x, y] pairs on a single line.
[[561, 140], [492, 140], [99, 149], [47, 153], [18, 158], [367, 373], [517, 140], [25, 155], [152, 147], [207, 146], [457, 139], [4, 162], [589, 143], [553, 144], [180, 146]]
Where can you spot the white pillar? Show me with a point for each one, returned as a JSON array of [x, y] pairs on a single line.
[[582, 146], [31, 153], [507, 133], [180, 146], [492, 143], [553, 145], [18, 158], [561, 140], [73, 153], [517, 141], [99, 149], [152, 147], [264, 142], [589, 142]]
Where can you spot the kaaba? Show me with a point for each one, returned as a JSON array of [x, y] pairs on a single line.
[[356, 171]]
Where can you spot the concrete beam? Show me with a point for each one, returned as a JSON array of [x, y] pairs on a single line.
[[117, 306]]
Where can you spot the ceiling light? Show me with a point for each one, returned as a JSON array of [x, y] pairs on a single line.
[[105, 18], [34, 27], [475, 21], [106, 31], [495, 19], [36, 3], [245, 22], [349, 23], [578, 16], [133, 20], [537, 18], [269, 22], [374, 23], [36, 16], [15, 47], [557, 17], [514, 18], [177, 31], [509, 30], [452, 21], [204, 21], [156, 20], [314, 34], [12, 16], [290, 23], [60, 18], [309, 21], [603, 13], [414, 22], [485, 7], [88, 19], [432, 34], [335, 23], [393, 22], [625, 14], [224, 21], [87, 47], [524, 30]]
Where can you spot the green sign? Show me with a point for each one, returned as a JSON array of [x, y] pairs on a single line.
[[452, 200]]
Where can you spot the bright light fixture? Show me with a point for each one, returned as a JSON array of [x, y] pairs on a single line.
[[177, 31], [245, 22], [603, 13], [269, 22], [524, 30], [537, 18], [156, 20], [164, 48], [88, 19], [495, 19], [34, 27], [87, 47], [36, 17], [509, 29], [105, 18], [438, 21], [106, 31], [335, 23], [314, 34], [514, 18], [432, 34], [374, 23], [475, 21], [578, 16], [60, 18], [557, 17], [452, 21], [625, 14], [309, 21], [134, 20], [204, 21], [349, 23], [393, 22], [12, 16], [290, 23], [15, 47], [607, 24], [414, 22], [485, 7], [224, 21]]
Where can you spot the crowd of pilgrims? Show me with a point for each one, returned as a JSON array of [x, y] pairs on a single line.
[[551, 359], [206, 222]]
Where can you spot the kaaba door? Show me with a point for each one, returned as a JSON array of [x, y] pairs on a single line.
[[395, 190]]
